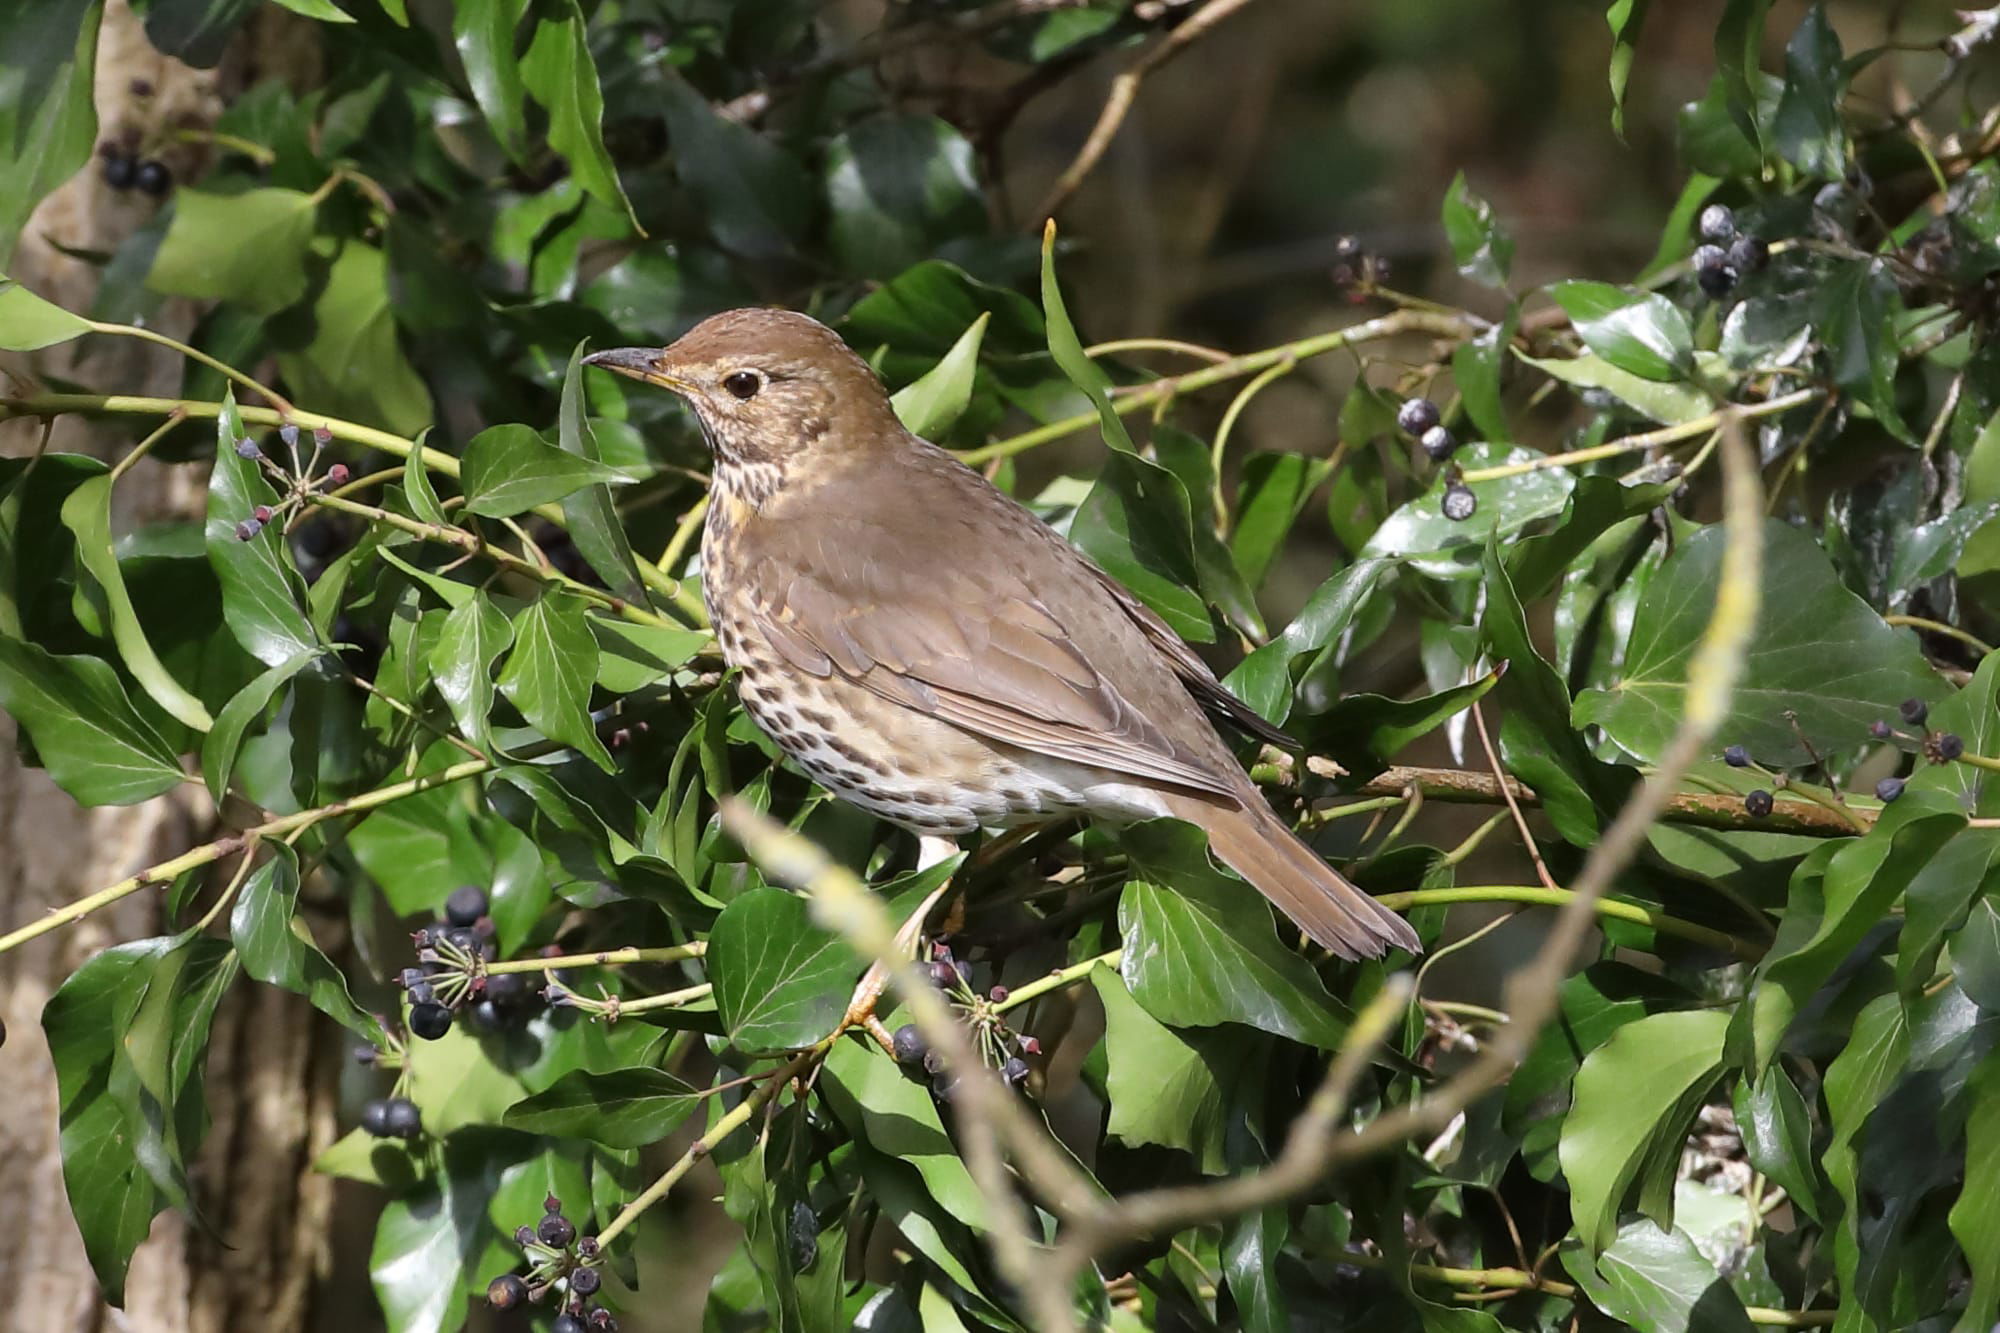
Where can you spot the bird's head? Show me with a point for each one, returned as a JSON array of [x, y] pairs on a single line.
[[768, 386]]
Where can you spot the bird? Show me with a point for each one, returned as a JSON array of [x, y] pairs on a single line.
[[924, 647]]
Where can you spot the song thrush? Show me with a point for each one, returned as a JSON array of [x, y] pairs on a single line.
[[926, 648]]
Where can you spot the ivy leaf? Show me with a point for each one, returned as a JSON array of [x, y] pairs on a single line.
[[1665, 1063], [549, 671], [1975, 1217], [1166, 1087], [929, 406], [276, 948], [1656, 1281], [1135, 523], [353, 366], [589, 511], [898, 187], [510, 468], [1446, 548], [1626, 18], [249, 248], [27, 322], [892, 1113], [417, 488], [473, 636], [87, 513], [1476, 367], [1777, 1135], [261, 592], [1480, 246], [1854, 318], [559, 72], [1668, 404], [87, 734], [225, 740], [1263, 680], [1269, 499], [620, 1108], [1640, 333], [1787, 670], [1200, 949], [48, 120], [755, 197], [1739, 41], [1806, 130], [780, 981], [484, 32]]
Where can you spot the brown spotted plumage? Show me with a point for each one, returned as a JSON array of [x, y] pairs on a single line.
[[924, 647]]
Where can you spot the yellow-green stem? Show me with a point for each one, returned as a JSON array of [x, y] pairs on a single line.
[[1056, 980], [603, 958], [1614, 908]]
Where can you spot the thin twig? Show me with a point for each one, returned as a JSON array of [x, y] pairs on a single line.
[[1507, 794]]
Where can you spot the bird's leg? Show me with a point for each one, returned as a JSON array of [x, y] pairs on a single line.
[[931, 851]]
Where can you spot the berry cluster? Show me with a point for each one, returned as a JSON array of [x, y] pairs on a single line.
[[394, 1116], [1355, 270], [1420, 420], [126, 171], [998, 1045], [1725, 255], [1939, 747], [452, 979], [553, 1270], [296, 484]]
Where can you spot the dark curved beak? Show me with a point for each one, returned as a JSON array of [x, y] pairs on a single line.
[[639, 363]]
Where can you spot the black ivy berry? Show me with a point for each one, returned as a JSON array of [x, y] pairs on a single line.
[[153, 177], [430, 1021], [585, 1281], [1914, 711], [364, 1054], [1717, 224], [120, 171], [466, 905], [586, 1248], [405, 1121], [908, 1044], [556, 1230], [375, 1119], [248, 529], [568, 1323], [601, 1320], [506, 1292], [1880, 730], [1748, 254], [1712, 271], [1888, 789], [486, 1016], [506, 987], [1736, 757], [1757, 804], [1417, 415], [1948, 746], [1015, 1071], [1439, 443], [1459, 502]]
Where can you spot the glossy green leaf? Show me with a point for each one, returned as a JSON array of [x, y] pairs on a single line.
[[1477, 366], [780, 981], [1807, 130], [87, 734], [224, 742], [1787, 670], [1481, 247], [28, 323], [591, 515], [1165, 1087], [276, 947], [1739, 41], [48, 124], [1251, 1248], [559, 72], [261, 592], [1853, 317], [485, 32], [631, 656], [929, 406], [1369, 726], [1975, 1217], [472, 638], [354, 366], [249, 248], [1269, 499], [621, 1108], [418, 490], [508, 469], [893, 1113], [755, 197], [548, 674], [1664, 1063], [1778, 1135], [1656, 1281], [1263, 680], [897, 187], [1626, 18], [1135, 523], [1668, 404], [1640, 333], [1200, 949], [1446, 548]]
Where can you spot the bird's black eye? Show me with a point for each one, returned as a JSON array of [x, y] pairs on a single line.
[[743, 383]]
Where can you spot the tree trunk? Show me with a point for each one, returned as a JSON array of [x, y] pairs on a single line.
[[273, 1070]]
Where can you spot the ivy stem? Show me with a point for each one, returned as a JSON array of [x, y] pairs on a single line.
[[602, 958], [731, 1120], [1685, 430], [227, 371], [1977, 645], [1987, 762], [1373, 330], [1614, 908], [683, 535], [145, 446], [167, 871], [1056, 980], [670, 1000], [1230, 416]]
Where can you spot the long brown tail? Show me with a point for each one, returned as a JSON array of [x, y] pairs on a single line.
[[1252, 840]]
